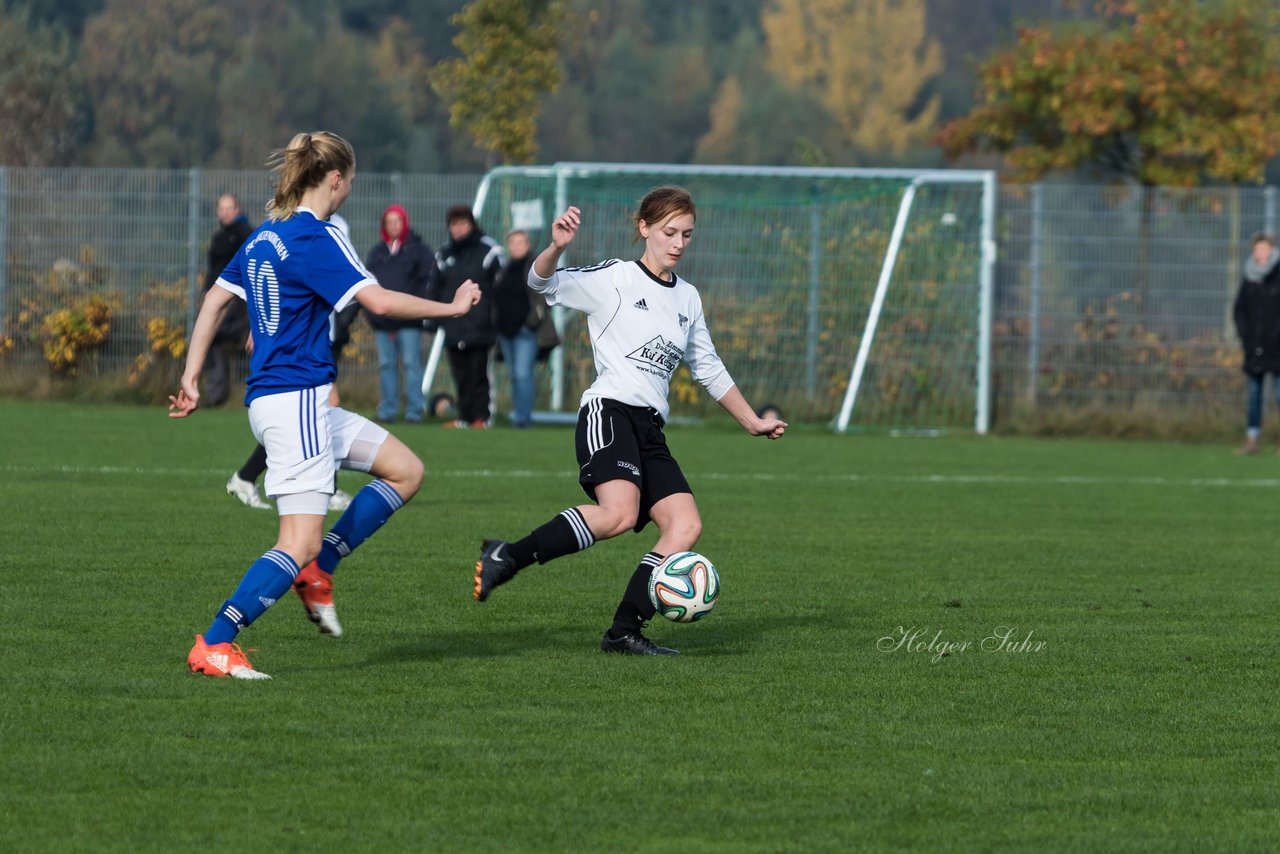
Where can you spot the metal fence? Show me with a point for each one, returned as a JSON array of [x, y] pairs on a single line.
[[138, 239], [1116, 298], [1107, 298]]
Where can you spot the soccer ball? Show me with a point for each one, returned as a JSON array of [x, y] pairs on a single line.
[[684, 587]]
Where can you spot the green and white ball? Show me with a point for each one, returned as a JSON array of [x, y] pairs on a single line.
[[684, 587]]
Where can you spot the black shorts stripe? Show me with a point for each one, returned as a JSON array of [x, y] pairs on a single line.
[[635, 451]]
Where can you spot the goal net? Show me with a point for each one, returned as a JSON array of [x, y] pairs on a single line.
[[853, 297]]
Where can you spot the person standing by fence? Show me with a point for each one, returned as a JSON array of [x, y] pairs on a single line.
[[233, 230], [402, 262], [526, 332], [1257, 318], [468, 255]]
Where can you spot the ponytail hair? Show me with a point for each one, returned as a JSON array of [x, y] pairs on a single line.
[[303, 164]]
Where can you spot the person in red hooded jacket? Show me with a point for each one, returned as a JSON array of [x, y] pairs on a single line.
[[400, 261]]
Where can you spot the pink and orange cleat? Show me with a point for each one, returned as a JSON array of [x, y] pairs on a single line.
[[222, 660], [315, 588]]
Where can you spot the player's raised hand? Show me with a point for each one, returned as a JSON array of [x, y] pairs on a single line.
[[565, 228], [467, 295], [186, 401]]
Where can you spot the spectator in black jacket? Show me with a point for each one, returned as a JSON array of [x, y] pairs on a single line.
[[469, 254], [521, 319], [233, 230], [400, 261], [1257, 316]]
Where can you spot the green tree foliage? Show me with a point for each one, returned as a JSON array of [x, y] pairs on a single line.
[[177, 83], [41, 94], [757, 118], [69, 15], [1164, 92], [508, 61], [868, 62], [639, 78], [191, 83], [152, 68], [428, 19], [971, 31]]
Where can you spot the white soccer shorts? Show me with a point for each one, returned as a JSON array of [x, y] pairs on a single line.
[[306, 441]]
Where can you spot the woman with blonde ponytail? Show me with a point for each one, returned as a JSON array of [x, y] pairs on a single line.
[[294, 272]]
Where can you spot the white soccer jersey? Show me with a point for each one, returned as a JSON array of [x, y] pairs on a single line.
[[641, 328]]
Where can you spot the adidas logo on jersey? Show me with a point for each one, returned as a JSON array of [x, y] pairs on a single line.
[[640, 304], [683, 320]]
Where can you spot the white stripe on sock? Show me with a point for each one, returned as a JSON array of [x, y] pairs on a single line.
[[283, 561], [580, 530], [388, 494]]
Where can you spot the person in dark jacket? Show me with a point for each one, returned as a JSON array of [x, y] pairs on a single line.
[[1257, 317], [233, 230], [402, 262], [469, 254], [519, 315]]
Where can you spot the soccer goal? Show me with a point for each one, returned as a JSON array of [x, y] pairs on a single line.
[[860, 298]]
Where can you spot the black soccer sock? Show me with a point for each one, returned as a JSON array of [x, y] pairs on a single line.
[[565, 534], [636, 606], [254, 466]]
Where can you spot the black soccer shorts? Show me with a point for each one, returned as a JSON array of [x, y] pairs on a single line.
[[617, 441]]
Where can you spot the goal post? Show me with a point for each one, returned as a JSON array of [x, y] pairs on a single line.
[[857, 298], [982, 375]]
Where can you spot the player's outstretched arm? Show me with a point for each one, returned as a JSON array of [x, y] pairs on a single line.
[[187, 400], [379, 301], [736, 405], [563, 230]]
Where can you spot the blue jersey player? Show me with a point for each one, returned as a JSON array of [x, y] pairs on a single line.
[[294, 272]]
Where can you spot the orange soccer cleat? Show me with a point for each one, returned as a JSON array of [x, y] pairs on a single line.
[[222, 660], [315, 588]]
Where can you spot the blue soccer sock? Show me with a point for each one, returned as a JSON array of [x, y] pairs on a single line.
[[266, 581], [369, 511]]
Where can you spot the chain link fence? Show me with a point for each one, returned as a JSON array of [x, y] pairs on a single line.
[[1117, 300], [1109, 300], [103, 268]]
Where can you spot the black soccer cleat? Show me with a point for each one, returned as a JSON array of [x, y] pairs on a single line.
[[634, 643], [494, 567]]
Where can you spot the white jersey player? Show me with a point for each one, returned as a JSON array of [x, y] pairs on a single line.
[[643, 321]]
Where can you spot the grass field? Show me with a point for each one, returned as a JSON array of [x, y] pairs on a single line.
[[1141, 713]]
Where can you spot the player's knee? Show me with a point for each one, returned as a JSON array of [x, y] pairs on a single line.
[[403, 471], [618, 521], [411, 477], [694, 532], [687, 532]]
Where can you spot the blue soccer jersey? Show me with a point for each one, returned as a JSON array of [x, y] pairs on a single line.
[[293, 274]]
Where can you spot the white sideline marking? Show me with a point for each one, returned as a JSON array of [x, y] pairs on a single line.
[[995, 479]]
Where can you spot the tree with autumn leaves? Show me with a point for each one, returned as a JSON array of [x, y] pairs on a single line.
[[845, 79], [508, 63], [1160, 92]]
